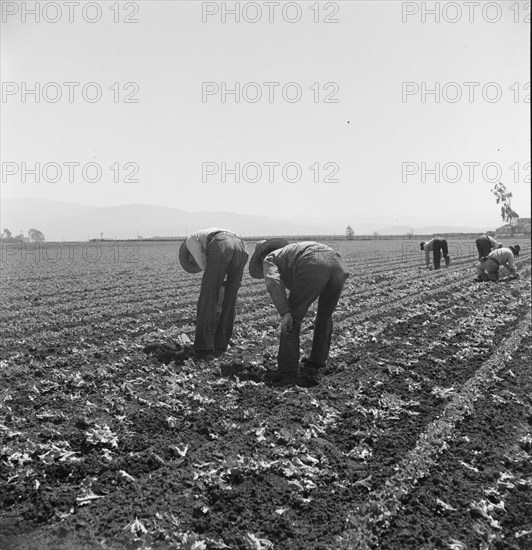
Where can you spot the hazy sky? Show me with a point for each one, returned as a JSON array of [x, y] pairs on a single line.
[[381, 138]]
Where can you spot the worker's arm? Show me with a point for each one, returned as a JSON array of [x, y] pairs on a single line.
[[275, 286], [509, 264]]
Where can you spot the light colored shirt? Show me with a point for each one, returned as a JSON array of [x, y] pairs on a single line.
[[504, 257], [197, 245], [429, 245]]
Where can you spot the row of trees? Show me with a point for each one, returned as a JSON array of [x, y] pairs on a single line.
[[34, 235]]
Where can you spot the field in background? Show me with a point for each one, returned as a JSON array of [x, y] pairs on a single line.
[[420, 435]]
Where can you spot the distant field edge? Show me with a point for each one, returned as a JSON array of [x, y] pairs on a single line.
[[407, 237]]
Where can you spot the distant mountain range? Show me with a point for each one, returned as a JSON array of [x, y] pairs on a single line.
[[76, 222], [68, 221]]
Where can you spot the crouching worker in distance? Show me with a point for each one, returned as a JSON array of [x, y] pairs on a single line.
[[309, 271], [438, 246], [488, 267], [220, 254], [485, 244]]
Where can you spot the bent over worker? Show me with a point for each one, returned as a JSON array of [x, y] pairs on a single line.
[[488, 267], [485, 244], [220, 254], [438, 246], [310, 271]]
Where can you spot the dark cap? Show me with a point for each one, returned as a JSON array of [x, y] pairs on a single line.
[[262, 249]]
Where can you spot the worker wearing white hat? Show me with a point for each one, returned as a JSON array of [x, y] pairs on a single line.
[[222, 256]]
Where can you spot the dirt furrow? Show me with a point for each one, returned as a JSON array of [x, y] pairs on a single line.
[[372, 518]]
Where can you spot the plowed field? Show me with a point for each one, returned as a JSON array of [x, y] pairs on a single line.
[[418, 437]]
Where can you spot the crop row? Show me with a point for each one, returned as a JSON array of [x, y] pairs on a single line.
[[128, 317], [66, 293]]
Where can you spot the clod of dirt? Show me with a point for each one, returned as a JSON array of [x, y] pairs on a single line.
[[166, 353]]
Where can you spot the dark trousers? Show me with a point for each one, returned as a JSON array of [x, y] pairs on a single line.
[[488, 270], [322, 277], [226, 258], [439, 247], [483, 246]]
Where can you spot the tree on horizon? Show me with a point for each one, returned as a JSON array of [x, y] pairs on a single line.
[[504, 198], [349, 233], [36, 236]]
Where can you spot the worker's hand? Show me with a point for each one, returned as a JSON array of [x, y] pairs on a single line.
[[286, 323]]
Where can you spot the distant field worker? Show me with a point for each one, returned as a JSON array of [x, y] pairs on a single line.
[[220, 254], [438, 246], [485, 244], [310, 271], [488, 267]]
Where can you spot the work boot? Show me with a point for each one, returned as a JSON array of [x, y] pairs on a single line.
[[203, 355], [447, 261], [306, 363], [309, 379], [311, 373]]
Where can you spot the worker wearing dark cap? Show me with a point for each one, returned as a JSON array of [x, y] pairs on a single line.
[[438, 246], [310, 271], [220, 254], [485, 244], [488, 267]]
